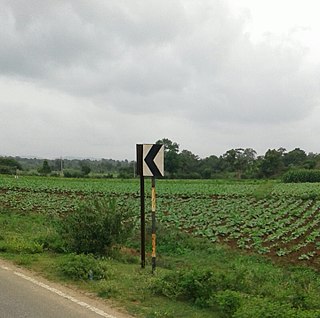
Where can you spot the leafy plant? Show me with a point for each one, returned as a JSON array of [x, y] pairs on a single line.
[[82, 267], [20, 245], [96, 226], [263, 191], [265, 308], [197, 286], [228, 302]]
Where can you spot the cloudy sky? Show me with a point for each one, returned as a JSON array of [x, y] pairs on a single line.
[[92, 78]]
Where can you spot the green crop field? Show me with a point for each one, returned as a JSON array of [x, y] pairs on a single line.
[[238, 249], [281, 221]]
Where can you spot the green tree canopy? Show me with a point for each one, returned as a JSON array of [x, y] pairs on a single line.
[[171, 157], [188, 164], [272, 163], [10, 162], [295, 157], [45, 169]]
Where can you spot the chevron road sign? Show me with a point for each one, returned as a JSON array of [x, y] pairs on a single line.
[[150, 163], [150, 160]]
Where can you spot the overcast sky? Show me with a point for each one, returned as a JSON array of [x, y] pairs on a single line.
[[92, 78]]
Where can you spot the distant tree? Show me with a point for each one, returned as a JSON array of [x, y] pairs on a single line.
[[239, 160], [294, 157], [105, 165], [311, 161], [209, 166], [125, 173], [9, 165], [169, 146], [10, 162], [230, 158], [249, 167], [85, 169], [272, 163], [171, 156], [188, 165], [45, 169]]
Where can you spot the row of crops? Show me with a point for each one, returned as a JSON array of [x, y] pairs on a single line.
[[270, 218]]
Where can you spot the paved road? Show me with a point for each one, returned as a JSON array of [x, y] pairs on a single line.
[[22, 295]]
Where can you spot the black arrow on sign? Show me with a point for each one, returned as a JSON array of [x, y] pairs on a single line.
[[149, 160]]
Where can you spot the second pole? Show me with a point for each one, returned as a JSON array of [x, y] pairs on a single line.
[[153, 219]]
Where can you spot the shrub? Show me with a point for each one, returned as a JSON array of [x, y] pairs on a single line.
[[308, 314], [72, 173], [169, 286], [20, 245], [265, 308], [96, 226], [82, 267], [197, 286], [52, 241], [227, 302]]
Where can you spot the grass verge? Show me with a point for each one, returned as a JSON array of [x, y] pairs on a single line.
[[194, 278]]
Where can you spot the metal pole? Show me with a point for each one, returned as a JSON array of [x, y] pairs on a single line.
[[142, 205], [153, 216], [143, 222]]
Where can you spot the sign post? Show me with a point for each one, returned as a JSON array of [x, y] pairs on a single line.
[[153, 222], [150, 163], [142, 206]]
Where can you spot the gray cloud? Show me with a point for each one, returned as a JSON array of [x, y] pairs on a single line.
[[189, 60]]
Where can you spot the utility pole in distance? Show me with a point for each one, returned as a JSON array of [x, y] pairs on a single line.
[[61, 167]]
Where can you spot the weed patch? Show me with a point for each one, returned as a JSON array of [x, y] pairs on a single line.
[[83, 267], [15, 244]]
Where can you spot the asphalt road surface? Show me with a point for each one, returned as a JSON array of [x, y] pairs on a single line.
[[23, 295]]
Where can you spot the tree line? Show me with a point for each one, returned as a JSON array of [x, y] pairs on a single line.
[[70, 168], [239, 163]]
